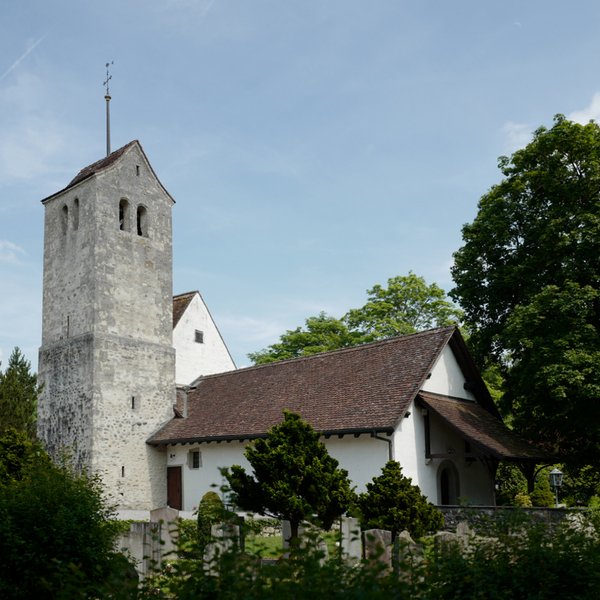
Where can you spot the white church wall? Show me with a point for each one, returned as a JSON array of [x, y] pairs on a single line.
[[199, 358], [206, 478], [363, 457], [447, 377]]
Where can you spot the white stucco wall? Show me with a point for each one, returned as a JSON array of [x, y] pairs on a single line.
[[447, 378], [194, 359]]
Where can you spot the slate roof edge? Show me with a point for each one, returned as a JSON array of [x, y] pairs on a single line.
[[253, 436]]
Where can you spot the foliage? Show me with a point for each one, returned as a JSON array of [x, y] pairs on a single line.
[[18, 455], [321, 334], [18, 395], [580, 484], [511, 488], [527, 277], [521, 561], [391, 502], [210, 512], [56, 537], [294, 477], [408, 304]]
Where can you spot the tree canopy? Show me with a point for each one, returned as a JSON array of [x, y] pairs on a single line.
[[527, 277], [18, 396], [294, 477], [407, 305]]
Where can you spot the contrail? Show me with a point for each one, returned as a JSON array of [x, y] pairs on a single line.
[[21, 58]]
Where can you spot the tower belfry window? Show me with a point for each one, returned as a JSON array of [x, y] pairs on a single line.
[[124, 215], [76, 213], [142, 221], [65, 218]]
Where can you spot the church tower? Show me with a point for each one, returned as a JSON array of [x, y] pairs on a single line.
[[107, 361]]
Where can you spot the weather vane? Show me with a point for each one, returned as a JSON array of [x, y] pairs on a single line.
[[107, 98]]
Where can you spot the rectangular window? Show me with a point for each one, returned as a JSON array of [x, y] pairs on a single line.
[[194, 459], [199, 337]]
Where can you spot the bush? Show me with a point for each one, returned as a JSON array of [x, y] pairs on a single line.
[[56, 538], [391, 502]]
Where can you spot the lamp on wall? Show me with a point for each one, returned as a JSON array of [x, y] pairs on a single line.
[[555, 477]]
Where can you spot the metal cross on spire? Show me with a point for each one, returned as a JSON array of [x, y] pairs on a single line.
[[107, 98]]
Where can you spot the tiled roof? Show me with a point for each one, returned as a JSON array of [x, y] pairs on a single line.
[[481, 428], [104, 163], [99, 165], [360, 389], [180, 303]]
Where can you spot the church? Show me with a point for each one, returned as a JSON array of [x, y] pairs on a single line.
[[139, 387]]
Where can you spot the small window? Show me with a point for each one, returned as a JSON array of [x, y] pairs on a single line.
[[65, 218], [76, 213], [123, 471], [137, 170], [135, 403], [199, 337], [124, 215], [194, 459], [142, 221]]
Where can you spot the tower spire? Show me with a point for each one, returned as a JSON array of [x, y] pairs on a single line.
[[107, 98]]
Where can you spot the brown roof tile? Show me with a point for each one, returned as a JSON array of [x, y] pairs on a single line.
[[364, 388], [481, 428], [180, 303]]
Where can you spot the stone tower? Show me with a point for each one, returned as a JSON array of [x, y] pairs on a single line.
[[106, 361]]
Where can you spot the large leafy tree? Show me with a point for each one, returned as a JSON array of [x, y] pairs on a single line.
[[528, 280], [294, 477], [320, 334], [18, 395], [407, 305]]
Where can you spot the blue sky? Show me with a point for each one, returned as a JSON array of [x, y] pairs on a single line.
[[314, 148]]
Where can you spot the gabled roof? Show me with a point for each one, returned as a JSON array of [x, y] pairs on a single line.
[[355, 390], [180, 304], [105, 163], [478, 426]]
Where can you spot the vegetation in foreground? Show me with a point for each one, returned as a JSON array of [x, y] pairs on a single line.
[[523, 560]]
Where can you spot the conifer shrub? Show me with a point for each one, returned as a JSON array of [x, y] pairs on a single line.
[[393, 503]]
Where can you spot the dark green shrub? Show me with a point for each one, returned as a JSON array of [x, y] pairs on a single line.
[[210, 512], [57, 539], [391, 502]]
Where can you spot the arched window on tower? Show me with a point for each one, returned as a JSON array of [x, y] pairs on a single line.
[[124, 215], [142, 221], [65, 218], [76, 213]]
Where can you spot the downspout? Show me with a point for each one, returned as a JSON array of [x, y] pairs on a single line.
[[384, 439]]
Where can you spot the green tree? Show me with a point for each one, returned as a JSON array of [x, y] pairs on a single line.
[[407, 305], [294, 477], [393, 503], [56, 536], [528, 280], [320, 334], [18, 395], [18, 455]]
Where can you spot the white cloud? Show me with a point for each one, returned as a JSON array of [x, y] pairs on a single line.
[[592, 111], [516, 135], [10, 252]]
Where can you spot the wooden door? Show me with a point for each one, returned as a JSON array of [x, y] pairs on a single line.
[[174, 497]]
